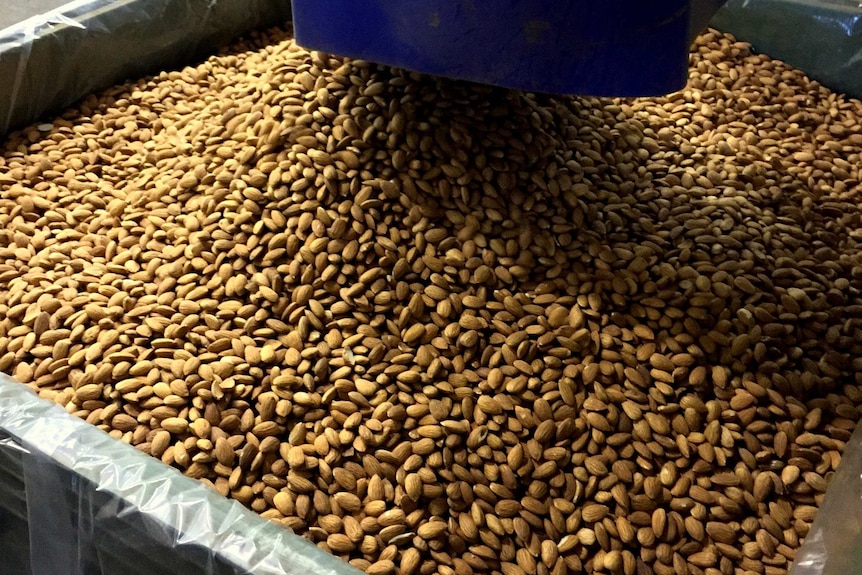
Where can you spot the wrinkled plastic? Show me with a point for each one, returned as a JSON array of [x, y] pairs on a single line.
[[51, 60], [75, 501], [823, 38], [833, 546]]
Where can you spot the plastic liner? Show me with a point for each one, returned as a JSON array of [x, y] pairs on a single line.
[[75, 501], [620, 48], [50, 60], [821, 37], [833, 546], [14, 12]]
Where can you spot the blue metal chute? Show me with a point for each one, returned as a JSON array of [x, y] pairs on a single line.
[[610, 48]]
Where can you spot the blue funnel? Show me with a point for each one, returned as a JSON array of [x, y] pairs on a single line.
[[601, 48]]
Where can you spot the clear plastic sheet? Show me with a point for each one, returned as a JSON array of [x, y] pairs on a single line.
[[821, 37], [75, 501], [833, 546], [50, 60]]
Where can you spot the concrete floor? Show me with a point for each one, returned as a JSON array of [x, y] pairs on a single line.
[[14, 11]]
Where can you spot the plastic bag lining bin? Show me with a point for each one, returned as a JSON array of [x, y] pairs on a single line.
[[51, 60], [833, 545], [73, 500], [821, 37]]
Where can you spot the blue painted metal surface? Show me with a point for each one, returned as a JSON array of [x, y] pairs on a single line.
[[604, 48]]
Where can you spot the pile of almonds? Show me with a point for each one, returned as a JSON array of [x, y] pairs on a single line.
[[441, 328]]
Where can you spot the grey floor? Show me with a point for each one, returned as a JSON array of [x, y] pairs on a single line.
[[14, 11]]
